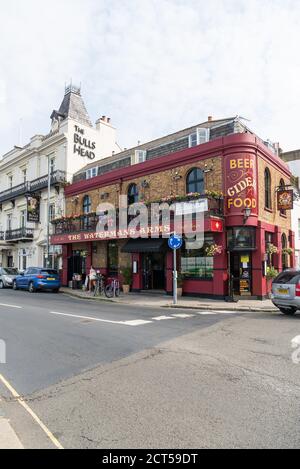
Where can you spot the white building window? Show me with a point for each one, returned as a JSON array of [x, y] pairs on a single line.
[[22, 218], [24, 175], [52, 165], [91, 173], [22, 259], [51, 212], [9, 222], [201, 135], [10, 180], [140, 156]]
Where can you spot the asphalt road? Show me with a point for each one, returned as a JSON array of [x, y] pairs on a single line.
[[102, 375]]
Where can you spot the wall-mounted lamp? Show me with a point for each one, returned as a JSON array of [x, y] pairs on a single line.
[[177, 176], [247, 213], [145, 184], [208, 169], [75, 199]]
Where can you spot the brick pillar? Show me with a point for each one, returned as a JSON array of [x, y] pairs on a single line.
[[292, 245], [259, 283], [220, 280], [66, 253], [277, 242], [137, 279]]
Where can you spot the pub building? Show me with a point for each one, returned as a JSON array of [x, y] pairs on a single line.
[[219, 161]]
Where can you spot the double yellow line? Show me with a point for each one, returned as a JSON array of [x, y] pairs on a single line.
[[19, 399]]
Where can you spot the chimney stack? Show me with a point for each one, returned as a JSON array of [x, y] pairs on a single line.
[[210, 118]]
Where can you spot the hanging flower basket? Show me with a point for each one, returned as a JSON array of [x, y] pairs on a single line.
[[213, 250], [288, 251], [271, 249]]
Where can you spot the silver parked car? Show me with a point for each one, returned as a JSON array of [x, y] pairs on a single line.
[[7, 276], [286, 291]]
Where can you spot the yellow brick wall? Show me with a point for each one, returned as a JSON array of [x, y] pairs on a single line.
[[273, 216], [161, 184]]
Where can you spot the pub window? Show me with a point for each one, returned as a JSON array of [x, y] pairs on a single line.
[[195, 181], [268, 241], [86, 204], [241, 238], [112, 258], [284, 256], [195, 263], [133, 194], [268, 200], [282, 186]]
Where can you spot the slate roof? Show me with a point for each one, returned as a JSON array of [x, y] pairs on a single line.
[[73, 106]]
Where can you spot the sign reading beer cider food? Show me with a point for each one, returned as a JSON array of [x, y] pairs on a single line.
[[240, 184], [285, 199]]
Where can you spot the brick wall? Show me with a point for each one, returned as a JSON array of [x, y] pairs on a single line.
[[161, 184]]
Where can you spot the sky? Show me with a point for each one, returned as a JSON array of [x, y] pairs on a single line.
[[153, 66]]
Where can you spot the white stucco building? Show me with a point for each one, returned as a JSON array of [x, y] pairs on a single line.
[[292, 158], [71, 143]]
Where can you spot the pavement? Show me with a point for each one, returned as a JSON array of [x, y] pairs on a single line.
[[92, 374], [166, 301], [8, 438]]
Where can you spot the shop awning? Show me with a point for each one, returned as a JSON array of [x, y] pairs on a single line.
[[145, 245]]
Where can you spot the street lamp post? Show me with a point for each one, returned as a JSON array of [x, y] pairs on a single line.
[[48, 214]]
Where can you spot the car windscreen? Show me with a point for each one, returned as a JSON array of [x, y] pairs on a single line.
[[49, 272], [9, 271], [288, 277]]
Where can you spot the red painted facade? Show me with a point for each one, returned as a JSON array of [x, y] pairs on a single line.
[[240, 156]]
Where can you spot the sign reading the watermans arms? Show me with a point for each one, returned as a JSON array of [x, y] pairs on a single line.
[[82, 145]]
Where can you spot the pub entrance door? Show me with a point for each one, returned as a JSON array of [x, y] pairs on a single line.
[[153, 266], [241, 273]]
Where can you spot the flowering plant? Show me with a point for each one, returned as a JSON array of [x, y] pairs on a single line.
[[288, 251], [214, 194], [213, 250], [271, 249], [271, 272]]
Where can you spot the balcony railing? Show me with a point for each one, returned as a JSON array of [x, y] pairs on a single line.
[[2, 235], [20, 234], [88, 223], [57, 177]]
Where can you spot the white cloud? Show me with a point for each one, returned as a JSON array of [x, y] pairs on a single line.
[[154, 66]]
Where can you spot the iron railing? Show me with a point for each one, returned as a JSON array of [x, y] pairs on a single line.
[[19, 234], [57, 177]]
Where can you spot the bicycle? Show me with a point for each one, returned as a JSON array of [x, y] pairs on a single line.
[[100, 286], [112, 289]]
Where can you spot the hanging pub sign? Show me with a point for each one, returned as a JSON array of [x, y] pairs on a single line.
[[285, 199], [33, 208]]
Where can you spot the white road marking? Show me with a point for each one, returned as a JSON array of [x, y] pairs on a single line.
[[137, 322], [162, 318], [206, 313], [11, 306], [19, 399], [183, 315]]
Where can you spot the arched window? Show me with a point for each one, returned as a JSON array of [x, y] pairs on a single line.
[[132, 194], [86, 205], [284, 256], [195, 181], [282, 186], [268, 199]]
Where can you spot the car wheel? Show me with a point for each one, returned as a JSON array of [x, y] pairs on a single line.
[[1, 284], [15, 285], [288, 311], [31, 288]]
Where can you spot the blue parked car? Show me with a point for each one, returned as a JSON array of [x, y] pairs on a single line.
[[37, 278]]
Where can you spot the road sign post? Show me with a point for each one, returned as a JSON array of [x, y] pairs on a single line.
[[175, 242]]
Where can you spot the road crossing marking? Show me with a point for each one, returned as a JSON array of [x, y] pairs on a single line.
[[136, 322], [20, 400], [162, 318], [183, 315]]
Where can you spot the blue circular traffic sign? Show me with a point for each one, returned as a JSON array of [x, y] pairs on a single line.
[[175, 242]]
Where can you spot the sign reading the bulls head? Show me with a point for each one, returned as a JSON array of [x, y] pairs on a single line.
[[240, 184]]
